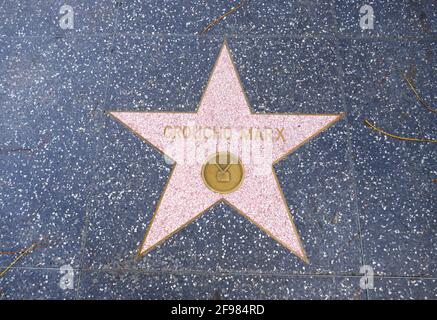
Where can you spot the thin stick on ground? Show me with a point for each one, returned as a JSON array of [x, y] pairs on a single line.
[[367, 123], [22, 254], [417, 95], [218, 19]]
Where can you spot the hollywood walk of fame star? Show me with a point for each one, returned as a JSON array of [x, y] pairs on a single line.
[[224, 114]]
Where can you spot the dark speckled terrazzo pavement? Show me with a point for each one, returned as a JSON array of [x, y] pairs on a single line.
[[74, 177]]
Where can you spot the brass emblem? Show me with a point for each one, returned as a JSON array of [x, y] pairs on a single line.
[[223, 172]]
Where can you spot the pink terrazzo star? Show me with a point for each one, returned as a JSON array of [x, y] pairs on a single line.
[[259, 198]]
